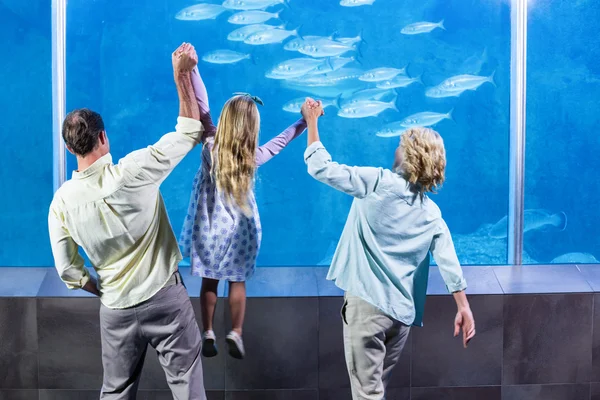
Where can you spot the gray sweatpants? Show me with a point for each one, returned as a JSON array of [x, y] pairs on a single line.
[[168, 324], [373, 343]]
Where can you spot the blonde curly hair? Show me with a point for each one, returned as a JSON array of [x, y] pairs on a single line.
[[423, 159], [234, 151]]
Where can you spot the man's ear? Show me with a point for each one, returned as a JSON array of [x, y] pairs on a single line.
[[103, 138]]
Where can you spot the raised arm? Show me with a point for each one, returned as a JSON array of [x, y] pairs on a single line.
[[355, 181], [202, 99], [158, 160], [184, 61], [269, 150]]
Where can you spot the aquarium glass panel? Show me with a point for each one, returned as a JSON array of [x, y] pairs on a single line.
[[562, 223], [26, 153], [379, 66]]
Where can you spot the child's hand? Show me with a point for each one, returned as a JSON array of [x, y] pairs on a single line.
[[316, 104], [312, 110]]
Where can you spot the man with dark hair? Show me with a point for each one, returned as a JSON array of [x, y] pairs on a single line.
[[81, 131], [117, 215]]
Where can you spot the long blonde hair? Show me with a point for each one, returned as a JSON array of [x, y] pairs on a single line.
[[423, 159], [234, 151]]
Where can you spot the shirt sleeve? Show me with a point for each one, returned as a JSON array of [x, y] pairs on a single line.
[[202, 98], [355, 181], [444, 254], [67, 260], [158, 160], [269, 150]]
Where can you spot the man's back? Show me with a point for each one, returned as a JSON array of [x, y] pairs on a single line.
[[117, 215]]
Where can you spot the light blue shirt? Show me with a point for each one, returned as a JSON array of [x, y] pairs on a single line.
[[383, 254]]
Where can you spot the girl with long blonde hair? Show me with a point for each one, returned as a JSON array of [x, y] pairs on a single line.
[[222, 230]]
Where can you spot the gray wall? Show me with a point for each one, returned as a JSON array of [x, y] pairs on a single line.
[[528, 347]]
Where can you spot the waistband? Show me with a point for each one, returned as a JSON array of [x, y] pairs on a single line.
[[175, 279]]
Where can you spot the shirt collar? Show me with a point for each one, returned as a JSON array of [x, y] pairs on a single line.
[[94, 168]]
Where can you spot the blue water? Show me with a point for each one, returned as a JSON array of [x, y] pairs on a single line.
[[26, 129], [563, 100], [118, 63]]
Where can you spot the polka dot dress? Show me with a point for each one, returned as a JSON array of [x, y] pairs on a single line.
[[220, 240]]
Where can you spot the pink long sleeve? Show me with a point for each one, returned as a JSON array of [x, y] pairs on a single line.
[[265, 152], [202, 98], [270, 149]]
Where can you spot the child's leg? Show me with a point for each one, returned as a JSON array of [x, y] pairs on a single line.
[[208, 302], [237, 305]]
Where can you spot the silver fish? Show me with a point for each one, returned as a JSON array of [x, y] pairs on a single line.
[[438, 92], [270, 36], [350, 40], [368, 94], [325, 48], [425, 119], [296, 104], [422, 27], [341, 82], [456, 85], [370, 108], [252, 17], [473, 64], [294, 68], [575, 258], [328, 79], [294, 44], [251, 4], [356, 3], [381, 74], [332, 64], [391, 130], [200, 12], [399, 81], [224, 57], [343, 88], [535, 219], [240, 34]]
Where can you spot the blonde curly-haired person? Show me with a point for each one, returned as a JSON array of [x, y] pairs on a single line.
[[382, 259]]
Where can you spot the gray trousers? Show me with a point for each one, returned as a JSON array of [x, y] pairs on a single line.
[[373, 343], [168, 324]]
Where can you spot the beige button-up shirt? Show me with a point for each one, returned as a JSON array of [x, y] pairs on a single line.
[[117, 215]]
